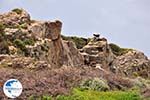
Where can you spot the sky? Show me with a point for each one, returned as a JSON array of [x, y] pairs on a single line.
[[124, 22]]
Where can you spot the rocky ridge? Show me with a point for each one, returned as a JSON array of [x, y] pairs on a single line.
[[34, 50]]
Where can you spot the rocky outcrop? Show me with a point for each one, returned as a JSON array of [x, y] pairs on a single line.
[[15, 18], [11, 61], [97, 53], [132, 64], [40, 40], [128, 63], [70, 49], [34, 52]]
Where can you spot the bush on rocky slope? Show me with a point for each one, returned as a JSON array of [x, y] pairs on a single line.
[[79, 41], [22, 46], [2, 27], [95, 84], [118, 50], [3, 43], [17, 10]]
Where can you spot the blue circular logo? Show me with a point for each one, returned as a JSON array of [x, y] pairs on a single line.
[[12, 88]]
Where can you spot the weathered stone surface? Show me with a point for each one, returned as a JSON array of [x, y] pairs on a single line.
[[13, 19], [97, 51], [50, 30], [40, 40], [53, 30], [13, 61], [133, 64], [33, 52], [72, 57]]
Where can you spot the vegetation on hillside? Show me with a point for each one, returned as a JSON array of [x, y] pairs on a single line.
[[118, 50], [17, 10], [78, 94], [3, 41], [79, 41], [96, 84]]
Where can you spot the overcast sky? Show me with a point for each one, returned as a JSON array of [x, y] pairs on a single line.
[[125, 22]]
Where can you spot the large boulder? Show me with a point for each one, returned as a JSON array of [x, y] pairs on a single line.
[[48, 29]]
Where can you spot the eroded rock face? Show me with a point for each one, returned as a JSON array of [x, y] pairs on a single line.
[[133, 64], [76, 59], [40, 40], [50, 30], [51, 47], [98, 52]]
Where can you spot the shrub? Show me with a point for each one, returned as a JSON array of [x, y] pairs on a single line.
[[117, 50], [94, 84], [4, 48], [46, 98], [79, 41], [40, 98], [23, 25], [22, 47], [20, 44], [2, 27], [95, 95], [17, 10], [29, 42]]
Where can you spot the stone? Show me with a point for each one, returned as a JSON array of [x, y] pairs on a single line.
[[12, 19], [46, 37], [132, 64], [97, 52], [72, 56]]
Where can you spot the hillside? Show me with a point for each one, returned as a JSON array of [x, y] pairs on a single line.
[[47, 63]]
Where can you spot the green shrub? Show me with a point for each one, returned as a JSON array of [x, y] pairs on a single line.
[[2, 27], [29, 42], [117, 50], [23, 25], [20, 44], [17, 10], [40, 98], [63, 97], [22, 47], [46, 98], [95, 95], [96, 84], [4, 47], [79, 41], [79, 94]]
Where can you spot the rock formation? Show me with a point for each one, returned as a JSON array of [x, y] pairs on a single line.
[[40, 40], [129, 63], [97, 53], [34, 52], [132, 64]]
